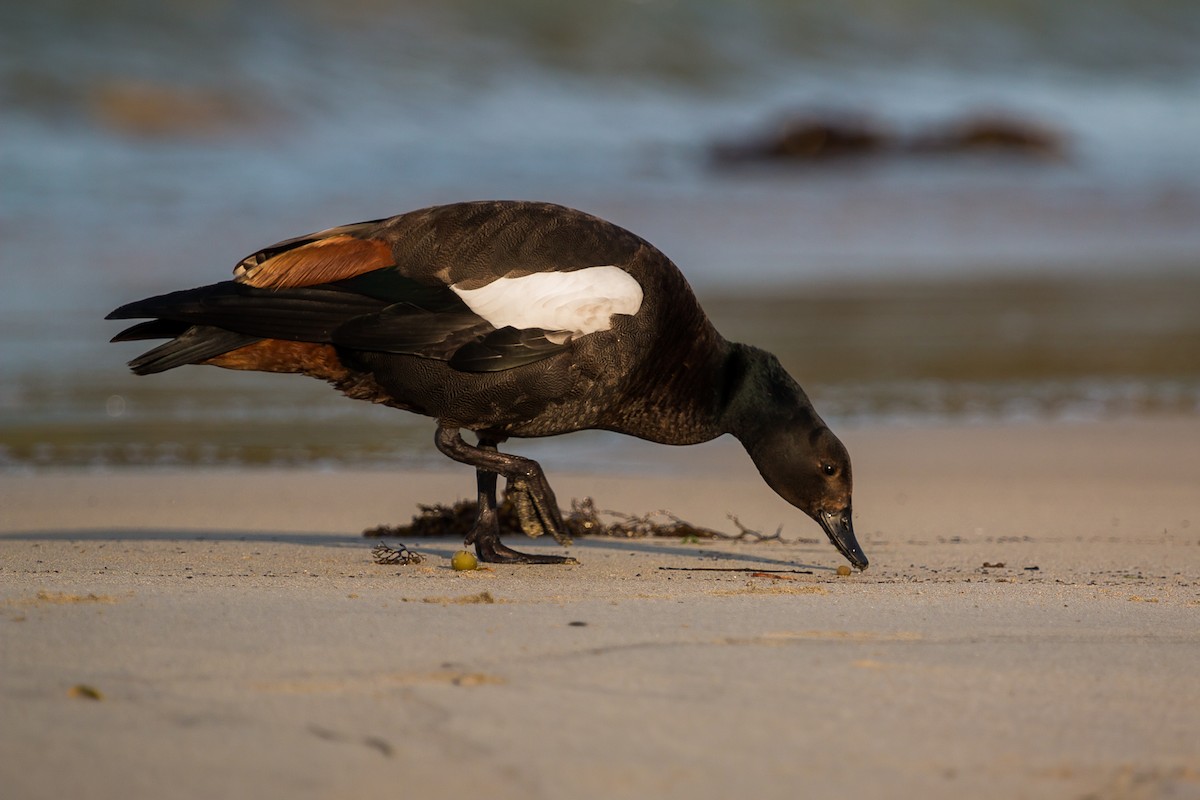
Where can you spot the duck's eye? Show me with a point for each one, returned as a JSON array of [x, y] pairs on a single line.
[[829, 469]]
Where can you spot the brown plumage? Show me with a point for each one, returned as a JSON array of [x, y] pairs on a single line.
[[330, 256]]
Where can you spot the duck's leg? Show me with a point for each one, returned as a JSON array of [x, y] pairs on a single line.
[[489, 463]]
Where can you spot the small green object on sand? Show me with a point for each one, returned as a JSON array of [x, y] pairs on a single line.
[[843, 570], [463, 560], [85, 692]]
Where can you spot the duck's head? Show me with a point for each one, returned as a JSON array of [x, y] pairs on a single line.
[[796, 453], [809, 467]]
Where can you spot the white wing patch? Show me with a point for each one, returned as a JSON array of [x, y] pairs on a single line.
[[579, 302]]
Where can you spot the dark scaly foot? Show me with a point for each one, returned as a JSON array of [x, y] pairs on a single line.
[[492, 551], [486, 533], [488, 463]]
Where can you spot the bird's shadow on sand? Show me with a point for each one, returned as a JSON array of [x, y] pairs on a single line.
[[440, 546], [183, 535], [661, 547]]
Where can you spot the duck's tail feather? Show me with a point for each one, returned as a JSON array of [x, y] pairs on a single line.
[[303, 314], [199, 321], [154, 329], [194, 345]]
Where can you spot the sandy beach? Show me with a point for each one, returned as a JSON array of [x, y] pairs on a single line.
[[1028, 628], [968, 230]]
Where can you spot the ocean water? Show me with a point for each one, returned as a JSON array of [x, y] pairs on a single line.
[[147, 146]]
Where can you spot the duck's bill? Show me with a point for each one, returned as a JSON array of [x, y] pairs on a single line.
[[840, 531]]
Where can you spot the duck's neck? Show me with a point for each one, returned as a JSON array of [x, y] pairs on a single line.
[[719, 387], [674, 396], [763, 397]]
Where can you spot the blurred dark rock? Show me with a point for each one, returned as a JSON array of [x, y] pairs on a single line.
[[992, 133], [814, 136], [820, 137]]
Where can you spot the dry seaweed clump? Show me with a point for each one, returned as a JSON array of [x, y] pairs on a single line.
[[584, 519], [435, 520], [391, 555]]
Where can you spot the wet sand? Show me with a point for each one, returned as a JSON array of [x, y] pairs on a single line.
[[243, 644], [1003, 350]]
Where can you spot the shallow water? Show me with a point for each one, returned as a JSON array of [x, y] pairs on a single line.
[[146, 147]]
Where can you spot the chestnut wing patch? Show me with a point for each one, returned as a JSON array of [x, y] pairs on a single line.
[[326, 257]]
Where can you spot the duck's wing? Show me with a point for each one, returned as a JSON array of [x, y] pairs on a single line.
[[506, 323], [446, 283], [431, 324], [484, 286]]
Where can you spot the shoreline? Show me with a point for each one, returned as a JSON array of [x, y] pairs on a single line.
[[898, 351]]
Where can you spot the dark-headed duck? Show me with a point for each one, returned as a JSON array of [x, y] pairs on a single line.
[[509, 319]]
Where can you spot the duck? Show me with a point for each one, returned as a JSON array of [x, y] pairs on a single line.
[[509, 320]]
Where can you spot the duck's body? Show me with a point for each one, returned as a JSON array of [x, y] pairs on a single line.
[[509, 319]]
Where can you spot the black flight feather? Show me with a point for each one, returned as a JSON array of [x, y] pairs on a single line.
[[403, 328], [505, 348], [304, 314], [197, 343], [388, 284], [154, 329]]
